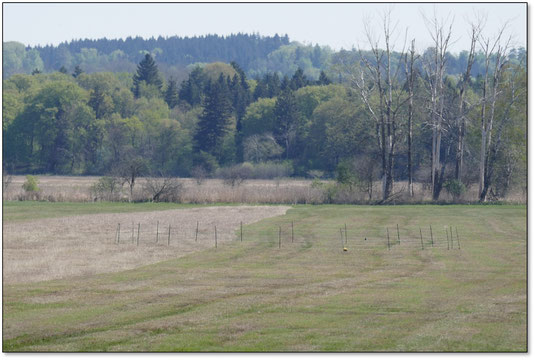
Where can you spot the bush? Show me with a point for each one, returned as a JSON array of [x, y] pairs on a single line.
[[199, 174], [163, 189], [272, 170], [455, 188], [235, 175], [106, 188], [30, 185]]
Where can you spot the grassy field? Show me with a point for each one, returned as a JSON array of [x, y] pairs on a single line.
[[308, 295]]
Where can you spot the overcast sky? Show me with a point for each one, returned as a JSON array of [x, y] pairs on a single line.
[[336, 25]]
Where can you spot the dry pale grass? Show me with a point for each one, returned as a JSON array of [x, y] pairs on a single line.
[[278, 191], [83, 245]]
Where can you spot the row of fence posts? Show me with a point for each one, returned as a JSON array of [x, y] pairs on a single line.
[[343, 235], [449, 237], [118, 233]]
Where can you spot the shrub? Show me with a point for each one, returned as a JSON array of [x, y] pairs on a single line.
[[345, 174], [199, 173], [166, 189], [30, 185], [106, 188], [455, 188], [235, 175]]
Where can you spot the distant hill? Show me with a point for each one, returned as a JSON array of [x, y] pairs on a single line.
[[254, 53]]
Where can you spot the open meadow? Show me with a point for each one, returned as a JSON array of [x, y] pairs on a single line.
[[282, 283]]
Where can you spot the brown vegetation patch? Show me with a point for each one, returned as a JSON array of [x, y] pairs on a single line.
[[84, 245]]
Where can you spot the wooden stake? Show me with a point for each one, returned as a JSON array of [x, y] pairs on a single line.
[[421, 238], [169, 235], [215, 234], [119, 233], [116, 233], [241, 231], [138, 227], [399, 241], [447, 237], [157, 230], [451, 237], [458, 243], [431, 231], [388, 238], [196, 231]]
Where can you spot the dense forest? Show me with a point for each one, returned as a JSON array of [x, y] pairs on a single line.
[[216, 105]]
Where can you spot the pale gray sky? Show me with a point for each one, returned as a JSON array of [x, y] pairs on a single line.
[[336, 25]]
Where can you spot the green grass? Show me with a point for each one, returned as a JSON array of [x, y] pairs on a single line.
[[306, 296]]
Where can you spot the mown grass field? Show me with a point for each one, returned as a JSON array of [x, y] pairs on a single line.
[[305, 296]]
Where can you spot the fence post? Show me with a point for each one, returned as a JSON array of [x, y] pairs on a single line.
[[138, 228], [431, 231], [196, 231], [119, 233], [451, 237], [169, 235], [157, 230], [241, 230], [421, 238], [215, 235], [399, 241], [388, 238], [458, 243], [447, 237]]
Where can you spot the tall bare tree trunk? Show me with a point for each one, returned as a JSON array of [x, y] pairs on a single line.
[[461, 120], [409, 75], [435, 73]]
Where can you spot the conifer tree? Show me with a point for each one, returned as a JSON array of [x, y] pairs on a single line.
[[287, 116], [171, 93], [147, 71], [77, 71], [299, 80], [323, 79], [214, 121]]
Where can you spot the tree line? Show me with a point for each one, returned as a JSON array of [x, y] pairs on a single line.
[[385, 115]]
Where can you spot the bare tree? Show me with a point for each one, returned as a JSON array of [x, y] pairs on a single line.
[[377, 77], [163, 188], [475, 30], [435, 68], [410, 58], [495, 51], [130, 170]]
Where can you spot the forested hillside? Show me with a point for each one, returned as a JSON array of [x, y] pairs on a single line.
[[256, 54], [355, 116]]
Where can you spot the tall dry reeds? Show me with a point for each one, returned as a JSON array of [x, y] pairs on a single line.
[[251, 191]]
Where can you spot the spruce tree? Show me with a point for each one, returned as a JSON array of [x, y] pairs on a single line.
[[171, 93], [299, 80], [214, 121], [147, 71], [323, 79], [286, 119], [77, 71]]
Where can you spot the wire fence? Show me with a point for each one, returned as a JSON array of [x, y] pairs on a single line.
[[290, 234]]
